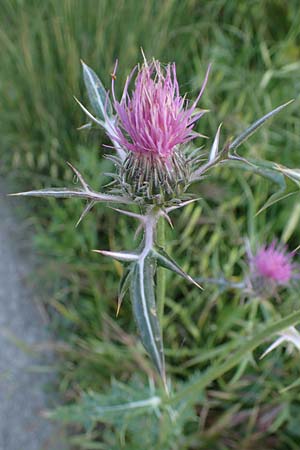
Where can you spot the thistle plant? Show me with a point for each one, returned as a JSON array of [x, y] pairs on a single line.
[[152, 130], [269, 269]]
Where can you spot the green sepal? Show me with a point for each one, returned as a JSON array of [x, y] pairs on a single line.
[[164, 260], [145, 310], [98, 96]]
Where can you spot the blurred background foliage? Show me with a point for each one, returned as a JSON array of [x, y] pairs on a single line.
[[254, 48]]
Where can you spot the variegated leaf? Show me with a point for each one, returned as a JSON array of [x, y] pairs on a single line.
[[213, 154], [255, 126], [119, 256], [164, 260], [97, 94], [124, 285], [267, 169], [79, 193], [145, 311]]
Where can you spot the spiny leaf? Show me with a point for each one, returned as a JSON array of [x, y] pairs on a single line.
[[130, 214], [53, 192], [124, 286], [293, 174], [267, 169], [181, 205], [255, 126], [86, 193], [290, 335], [119, 401], [119, 256], [86, 126], [264, 168], [145, 311], [213, 154], [93, 118], [88, 207], [166, 261], [275, 198], [97, 94], [79, 176], [79, 193]]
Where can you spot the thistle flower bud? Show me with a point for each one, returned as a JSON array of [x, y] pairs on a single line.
[[153, 179], [154, 125]]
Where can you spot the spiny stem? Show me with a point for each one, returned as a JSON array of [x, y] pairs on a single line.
[[161, 276]]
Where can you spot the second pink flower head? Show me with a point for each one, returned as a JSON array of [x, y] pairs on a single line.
[[273, 263]]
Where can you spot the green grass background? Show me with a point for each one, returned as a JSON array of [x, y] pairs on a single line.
[[254, 48]]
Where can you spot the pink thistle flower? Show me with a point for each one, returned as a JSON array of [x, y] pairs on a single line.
[[155, 118], [274, 264]]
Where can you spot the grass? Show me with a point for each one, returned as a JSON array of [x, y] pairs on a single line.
[[254, 49]]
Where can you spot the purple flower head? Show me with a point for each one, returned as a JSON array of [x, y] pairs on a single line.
[[273, 263], [155, 118]]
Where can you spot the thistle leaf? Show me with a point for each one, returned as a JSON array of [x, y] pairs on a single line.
[[97, 94], [86, 193], [130, 214], [181, 205], [79, 193], [86, 126], [274, 172], [268, 170], [79, 176], [164, 260], [88, 207], [293, 174], [119, 256], [109, 414], [84, 109], [120, 401], [53, 192], [290, 335], [275, 198], [213, 154], [255, 126], [124, 286], [145, 311]]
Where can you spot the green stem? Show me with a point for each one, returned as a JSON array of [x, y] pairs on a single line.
[[218, 370], [161, 276]]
